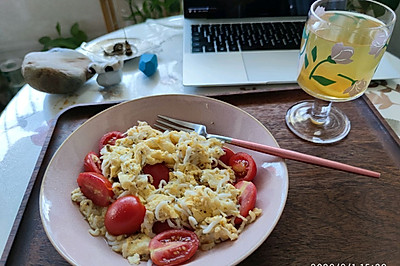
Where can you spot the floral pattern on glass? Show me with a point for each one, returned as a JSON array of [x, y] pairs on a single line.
[[379, 43], [357, 86], [340, 54]]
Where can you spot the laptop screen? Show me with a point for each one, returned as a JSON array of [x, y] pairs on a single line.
[[245, 8]]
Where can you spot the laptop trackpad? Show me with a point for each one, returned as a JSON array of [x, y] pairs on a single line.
[[271, 66], [211, 69]]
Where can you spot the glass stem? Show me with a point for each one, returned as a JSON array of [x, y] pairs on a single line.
[[320, 112]]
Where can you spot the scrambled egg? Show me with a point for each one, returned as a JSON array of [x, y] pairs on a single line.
[[199, 195]]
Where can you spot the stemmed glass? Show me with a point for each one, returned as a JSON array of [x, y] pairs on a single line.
[[342, 44]]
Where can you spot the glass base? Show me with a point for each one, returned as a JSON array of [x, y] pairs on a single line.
[[334, 128]]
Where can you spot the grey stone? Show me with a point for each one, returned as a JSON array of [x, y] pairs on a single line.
[[56, 71]]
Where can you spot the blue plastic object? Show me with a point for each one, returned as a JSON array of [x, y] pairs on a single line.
[[148, 64]]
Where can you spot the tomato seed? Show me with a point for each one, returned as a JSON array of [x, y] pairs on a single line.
[[240, 167]]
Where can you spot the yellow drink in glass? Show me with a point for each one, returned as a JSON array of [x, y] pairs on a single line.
[[340, 54], [342, 44]]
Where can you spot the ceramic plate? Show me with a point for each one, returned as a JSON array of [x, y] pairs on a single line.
[[138, 47], [68, 231]]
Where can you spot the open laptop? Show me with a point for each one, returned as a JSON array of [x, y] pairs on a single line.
[[258, 62]]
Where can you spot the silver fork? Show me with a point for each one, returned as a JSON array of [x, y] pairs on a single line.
[[168, 123]]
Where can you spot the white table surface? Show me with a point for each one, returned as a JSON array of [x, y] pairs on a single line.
[[25, 121]]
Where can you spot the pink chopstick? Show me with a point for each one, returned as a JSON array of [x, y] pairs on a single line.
[[297, 156]]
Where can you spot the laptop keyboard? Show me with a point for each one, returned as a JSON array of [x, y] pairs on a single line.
[[246, 36]]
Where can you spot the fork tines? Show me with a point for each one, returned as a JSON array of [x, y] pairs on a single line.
[[168, 123]]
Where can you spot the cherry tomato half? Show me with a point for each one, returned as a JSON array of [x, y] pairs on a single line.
[[158, 171], [247, 198], [228, 154], [92, 163], [125, 215], [244, 166], [110, 138], [96, 187], [173, 247]]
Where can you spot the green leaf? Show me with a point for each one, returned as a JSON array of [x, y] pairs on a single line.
[[323, 81], [314, 53], [58, 28], [75, 29], [306, 63], [44, 40], [172, 6], [80, 37], [175, 7], [156, 9], [63, 43], [146, 9]]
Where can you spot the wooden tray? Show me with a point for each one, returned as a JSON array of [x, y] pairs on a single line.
[[330, 216]]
